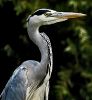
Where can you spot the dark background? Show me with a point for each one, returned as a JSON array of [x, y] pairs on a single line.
[[71, 42]]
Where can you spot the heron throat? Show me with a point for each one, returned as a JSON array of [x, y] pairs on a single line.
[[43, 43]]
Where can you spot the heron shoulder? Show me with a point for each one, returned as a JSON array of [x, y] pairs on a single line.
[[30, 63], [21, 78]]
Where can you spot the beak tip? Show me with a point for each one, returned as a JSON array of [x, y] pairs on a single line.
[[82, 15], [78, 15]]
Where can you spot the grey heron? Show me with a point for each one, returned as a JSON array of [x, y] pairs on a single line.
[[30, 81]]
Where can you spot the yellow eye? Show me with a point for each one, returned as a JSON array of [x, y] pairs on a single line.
[[47, 14]]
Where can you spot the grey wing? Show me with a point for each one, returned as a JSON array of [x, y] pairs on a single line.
[[15, 89], [19, 84]]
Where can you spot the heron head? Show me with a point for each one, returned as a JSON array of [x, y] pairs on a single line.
[[48, 16]]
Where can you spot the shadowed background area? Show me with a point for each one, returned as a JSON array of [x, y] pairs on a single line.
[[71, 42]]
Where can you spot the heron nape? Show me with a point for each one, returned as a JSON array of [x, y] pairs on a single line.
[[30, 81]]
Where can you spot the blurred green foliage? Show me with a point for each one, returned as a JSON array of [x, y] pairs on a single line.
[[74, 77]]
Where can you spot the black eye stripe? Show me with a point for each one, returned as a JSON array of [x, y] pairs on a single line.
[[40, 12]]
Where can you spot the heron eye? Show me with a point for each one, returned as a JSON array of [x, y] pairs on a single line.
[[47, 14]]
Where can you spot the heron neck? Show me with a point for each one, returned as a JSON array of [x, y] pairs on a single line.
[[33, 31]]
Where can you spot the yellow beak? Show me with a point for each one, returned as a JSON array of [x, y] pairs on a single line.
[[67, 15]]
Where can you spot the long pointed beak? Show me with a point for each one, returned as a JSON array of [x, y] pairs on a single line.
[[67, 15]]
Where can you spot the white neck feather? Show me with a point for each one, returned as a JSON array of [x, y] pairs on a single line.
[[33, 31]]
